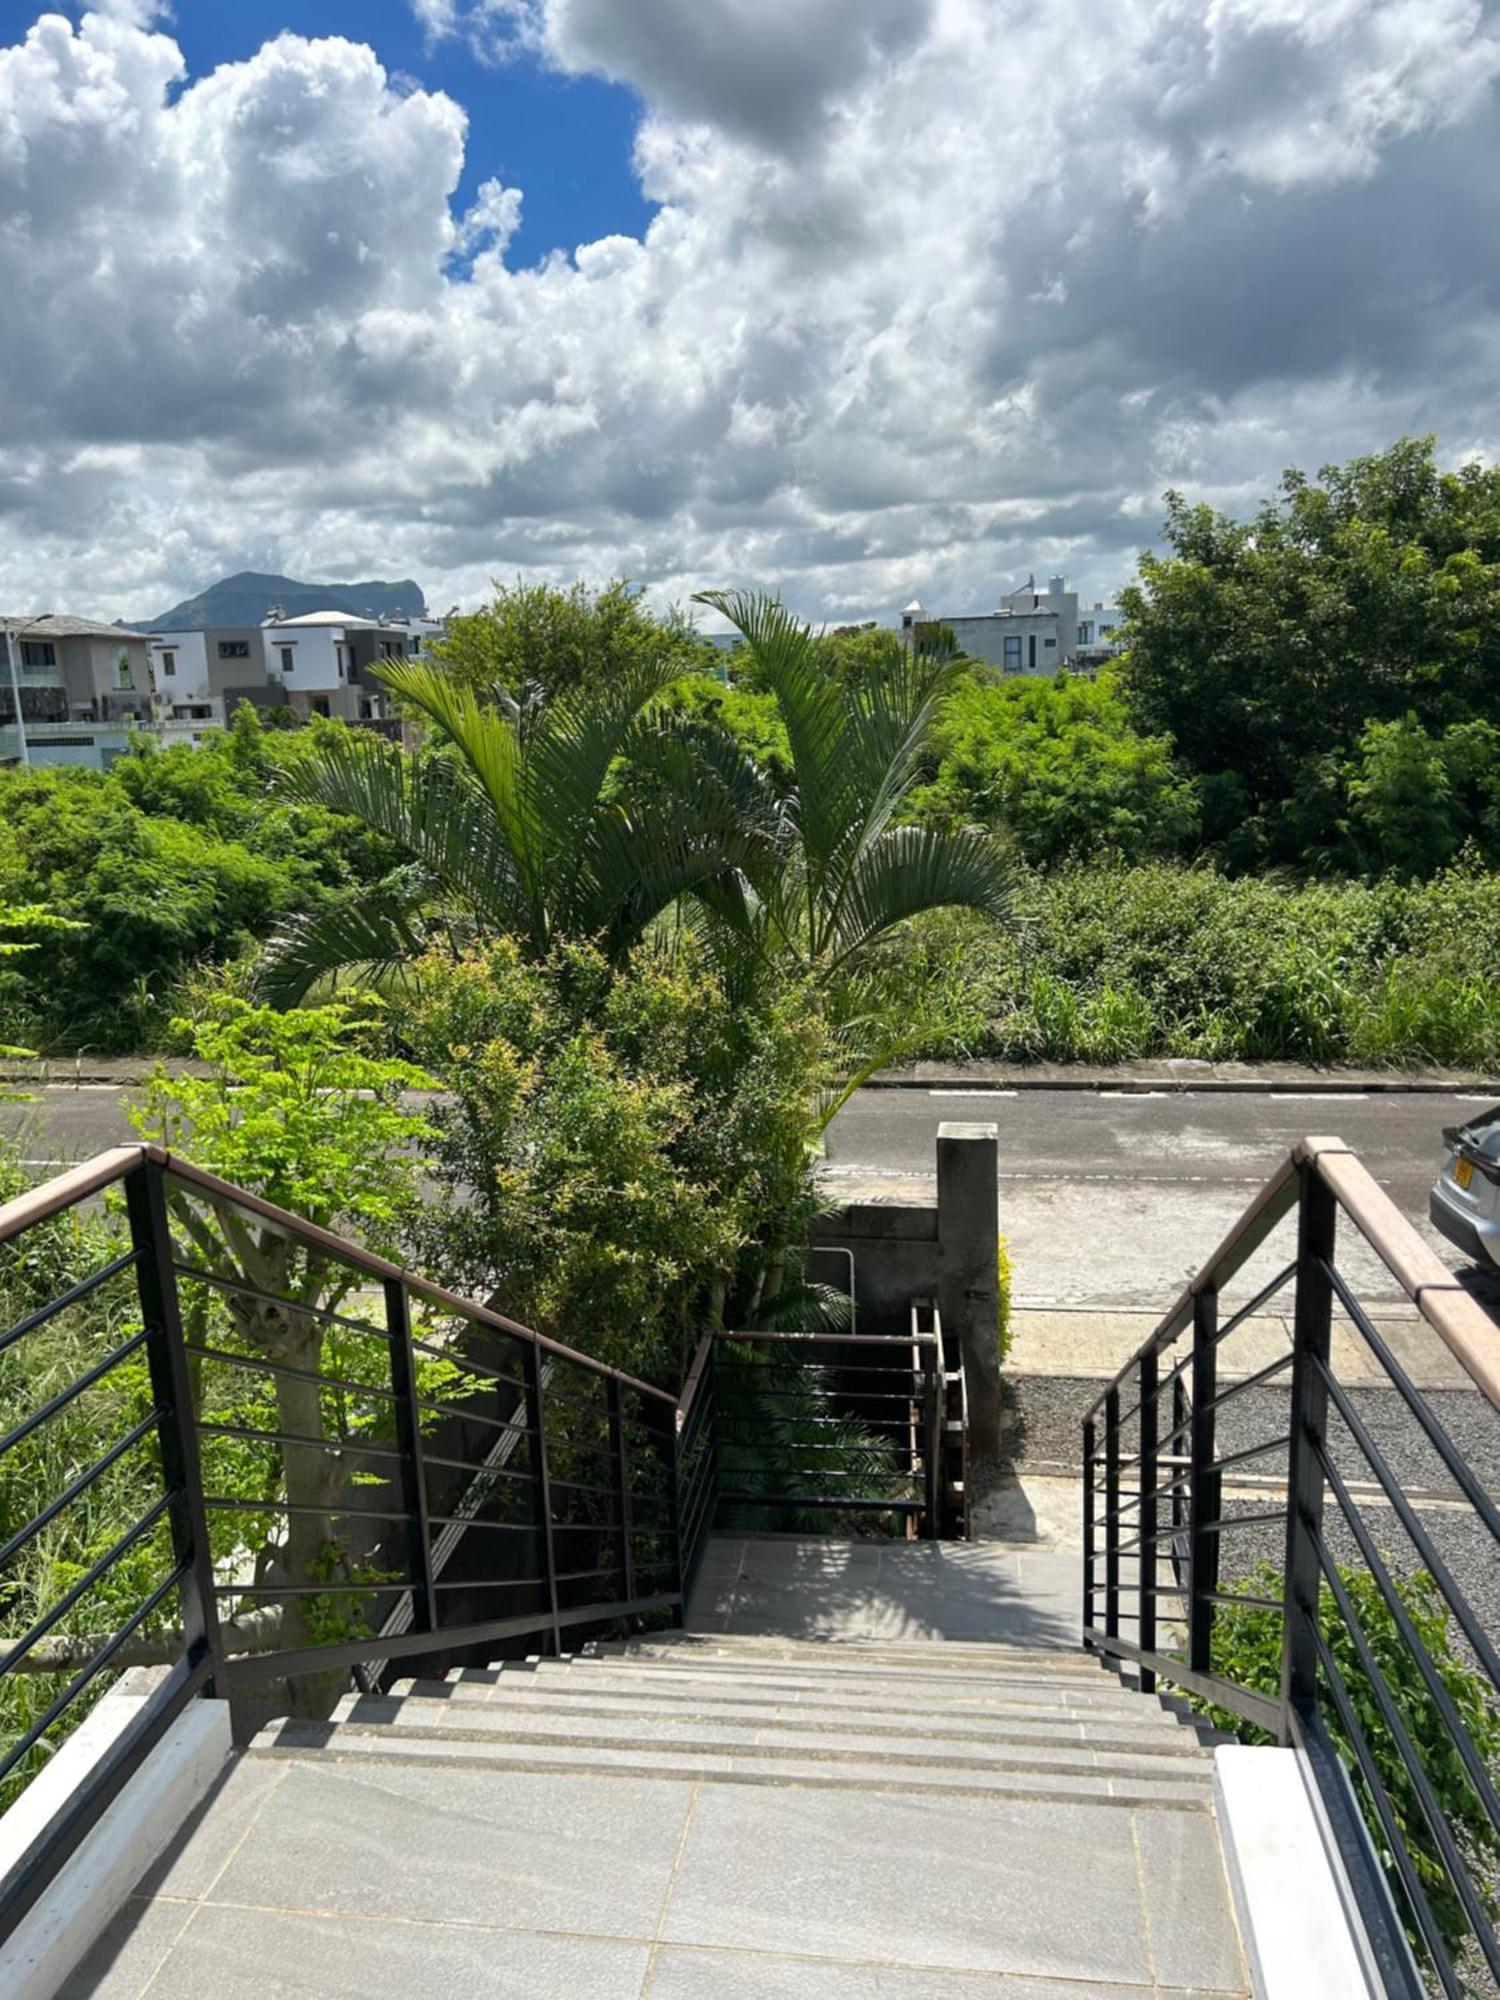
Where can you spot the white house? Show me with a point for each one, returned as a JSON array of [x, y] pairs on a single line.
[[322, 660], [1031, 631]]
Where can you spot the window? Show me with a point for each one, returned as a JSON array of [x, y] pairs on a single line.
[[320, 704], [38, 653], [122, 673], [1012, 655], [234, 649], [169, 663], [288, 658], [338, 661], [1085, 632], [1049, 642], [1031, 651]]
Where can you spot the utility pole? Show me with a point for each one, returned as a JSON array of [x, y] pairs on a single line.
[[15, 691]]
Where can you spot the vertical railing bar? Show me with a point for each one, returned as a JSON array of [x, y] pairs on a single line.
[[932, 1425], [619, 1445], [1146, 1566], [172, 1391], [1088, 1526], [1312, 1318], [409, 1443], [543, 1486], [1112, 1513], [1204, 1484]]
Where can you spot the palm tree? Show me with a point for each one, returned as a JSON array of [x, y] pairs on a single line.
[[518, 822], [831, 871]]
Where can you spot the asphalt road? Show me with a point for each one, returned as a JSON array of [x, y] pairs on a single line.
[[1109, 1199]]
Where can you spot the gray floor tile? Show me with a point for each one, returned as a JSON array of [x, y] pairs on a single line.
[[129, 1952], [279, 1955], [1194, 1939], [542, 1852], [207, 1839], [832, 1874], [683, 1974]]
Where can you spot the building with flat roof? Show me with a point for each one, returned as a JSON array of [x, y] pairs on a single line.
[[1031, 631]]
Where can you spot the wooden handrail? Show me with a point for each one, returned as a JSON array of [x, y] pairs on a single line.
[[49, 1198]]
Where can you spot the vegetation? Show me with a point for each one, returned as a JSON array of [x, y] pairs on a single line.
[[561, 642], [1247, 1650]]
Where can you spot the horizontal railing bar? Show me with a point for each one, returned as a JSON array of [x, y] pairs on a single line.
[[461, 1413], [876, 1340], [246, 1669], [241, 1287], [85, 1674], [809, 1500], [1406, 1514], [468, 1465], [68, 1298], [1270, 1370], [1249, 1451], [537, 1582], [52, 1617], [792, 1394], [66, 1190], [219, 1503], [1267, 1291], [1243, 1598], [248, 1433], [1258, 1519], [580, 1486], [337, 1587], [74, 1389], [468, 1366], [1244, 1702], [285, 1368], [79, 1485]]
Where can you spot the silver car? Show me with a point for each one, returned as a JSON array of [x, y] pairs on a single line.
[[1465, 1200]]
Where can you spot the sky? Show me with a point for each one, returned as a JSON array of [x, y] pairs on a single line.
[[858, 300]]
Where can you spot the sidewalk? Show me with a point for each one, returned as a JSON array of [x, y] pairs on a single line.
[[1174, 1073]]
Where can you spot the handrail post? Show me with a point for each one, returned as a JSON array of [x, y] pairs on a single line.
[[932, 1429], [1203, 1484], [1317, 1215], [409, 1443], [1088, 1530], [619, 1451], [172, 1393], [536, 1410], [1112, 1514], [1145, 1558]]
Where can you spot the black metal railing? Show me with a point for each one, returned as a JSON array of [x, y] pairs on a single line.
[[1307, 1502], [312, 1464], [824, 1432]]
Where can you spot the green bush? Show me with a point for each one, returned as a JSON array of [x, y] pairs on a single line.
[[1247, 1648]]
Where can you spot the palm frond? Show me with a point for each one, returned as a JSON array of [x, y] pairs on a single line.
[[363, 940], [908, 869]]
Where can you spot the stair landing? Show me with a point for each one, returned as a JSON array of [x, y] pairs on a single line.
[[708, 1816]]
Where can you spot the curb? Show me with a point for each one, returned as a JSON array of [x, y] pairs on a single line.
[[1136, 1085]]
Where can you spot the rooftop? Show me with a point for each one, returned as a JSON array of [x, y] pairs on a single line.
[[56, 625]]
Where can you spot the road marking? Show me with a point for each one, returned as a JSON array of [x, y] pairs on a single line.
[[1320, 1097], [978, 1091]]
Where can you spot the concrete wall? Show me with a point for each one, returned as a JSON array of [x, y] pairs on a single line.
[[191, 681]]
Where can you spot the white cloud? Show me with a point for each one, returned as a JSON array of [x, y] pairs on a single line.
[[936, 293]]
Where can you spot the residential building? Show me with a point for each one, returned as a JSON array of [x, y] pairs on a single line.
[[83, 685], [1031, 631], [323, 659]]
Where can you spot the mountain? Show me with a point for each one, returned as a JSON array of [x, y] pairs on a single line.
[[248, 598]]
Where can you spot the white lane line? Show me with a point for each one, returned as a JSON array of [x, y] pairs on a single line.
[[1320, 1096], [985, 1095]]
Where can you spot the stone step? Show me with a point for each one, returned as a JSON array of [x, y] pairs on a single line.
[[1165, 1756], [913, 1683], [674, 1689], [963, 1654], [1141, 1725], [383, 1744]]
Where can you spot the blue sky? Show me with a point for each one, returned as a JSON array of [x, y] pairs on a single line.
[[565, 140], [928, 295]]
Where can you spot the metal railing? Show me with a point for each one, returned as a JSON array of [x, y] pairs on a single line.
[[324, 1461], [822, 1431], [1202, 1481]]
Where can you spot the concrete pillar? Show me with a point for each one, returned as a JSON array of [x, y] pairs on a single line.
[[968, 1282]]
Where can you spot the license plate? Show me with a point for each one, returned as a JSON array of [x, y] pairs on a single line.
[[1463, 1172]]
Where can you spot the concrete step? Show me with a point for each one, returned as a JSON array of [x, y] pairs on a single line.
[[963, 1654], [911, 1684], [383, 1744], [1141, 1725], [1164, 1755]]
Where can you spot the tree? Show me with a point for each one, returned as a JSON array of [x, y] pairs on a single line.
[[1263, 646], [560, 641], [521, 823], [833, 871], [296, 1109]]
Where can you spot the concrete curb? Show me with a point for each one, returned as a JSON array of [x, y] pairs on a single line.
[[999, 1079]]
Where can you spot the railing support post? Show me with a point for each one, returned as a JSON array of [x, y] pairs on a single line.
[[1203, 1484], [932, 1433], [1145, 1559], [409, 1443], [1112, 1514], [1088, 1530], [619, 1451], [536, 1409], [1317, 1214], [172, 1393]]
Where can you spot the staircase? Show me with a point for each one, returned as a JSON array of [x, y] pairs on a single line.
[[711, 1815]]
